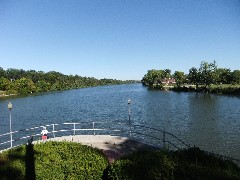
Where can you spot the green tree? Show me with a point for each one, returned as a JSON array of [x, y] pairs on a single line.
[[180, 77], [153, 78], [167, 73], [207, 73], [194, 76], [14, 74], [4, 84], [236, 77], [223, 76], [43, 86], [24, 86], [2, 72], [19, 80]]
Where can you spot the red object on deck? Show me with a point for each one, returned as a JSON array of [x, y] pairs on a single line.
[[44, 137]]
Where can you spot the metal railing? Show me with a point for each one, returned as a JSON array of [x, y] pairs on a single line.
[[57, 130], [167, 140], [146, 134]]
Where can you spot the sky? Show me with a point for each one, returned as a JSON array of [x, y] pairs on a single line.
[[118, 39]]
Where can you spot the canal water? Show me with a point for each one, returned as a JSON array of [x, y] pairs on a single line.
[[211, 122]]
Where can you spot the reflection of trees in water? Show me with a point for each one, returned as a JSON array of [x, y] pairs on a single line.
[[203, 127]]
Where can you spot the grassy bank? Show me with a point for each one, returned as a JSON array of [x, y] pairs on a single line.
[[7, 93], [225, 89], [2, 93], [67, 160], [215, 89]]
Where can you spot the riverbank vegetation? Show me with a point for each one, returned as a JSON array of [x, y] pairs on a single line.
[[183, 164], [68, 160], [19, 81], [207, 78]]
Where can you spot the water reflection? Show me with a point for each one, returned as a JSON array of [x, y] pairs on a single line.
[[204, 120]]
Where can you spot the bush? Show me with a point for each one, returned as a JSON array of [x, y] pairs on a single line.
[[143, 165], [196, 164], [184, 164], [68, 160], [53, 160]]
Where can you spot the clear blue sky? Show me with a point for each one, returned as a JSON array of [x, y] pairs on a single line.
[[119, 39]]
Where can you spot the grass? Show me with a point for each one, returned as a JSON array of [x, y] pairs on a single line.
[[2, 93], [225, 85], [228, 89]]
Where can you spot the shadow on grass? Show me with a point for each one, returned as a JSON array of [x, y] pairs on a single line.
[[12, 164], [30, 162], [7, 169], [8, 172]]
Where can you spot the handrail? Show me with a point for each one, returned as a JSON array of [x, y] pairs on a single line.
[[164, 135], [31, 132], [132, 129], [178, 139]]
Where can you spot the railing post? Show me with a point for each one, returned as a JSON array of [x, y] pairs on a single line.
[[130, 131], [93, 128], [53, 131], [129, 118], [74, 127], [164, 139]]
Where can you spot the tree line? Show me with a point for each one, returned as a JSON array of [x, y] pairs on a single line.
[[206, 75], [19, 81]]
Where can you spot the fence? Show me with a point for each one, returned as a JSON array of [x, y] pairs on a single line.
[[65, 129], [146, 134]]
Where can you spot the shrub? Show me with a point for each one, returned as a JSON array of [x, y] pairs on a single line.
[[143, 165], [68, 160], [53, 160], [194, 163], [184, 164]]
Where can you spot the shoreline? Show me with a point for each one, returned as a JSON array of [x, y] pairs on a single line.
[[221, 90], [7, 95]]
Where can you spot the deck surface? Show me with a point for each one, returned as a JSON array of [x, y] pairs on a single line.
[[113, 146]]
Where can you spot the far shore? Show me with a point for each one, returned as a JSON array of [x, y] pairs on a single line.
[[6, 95]]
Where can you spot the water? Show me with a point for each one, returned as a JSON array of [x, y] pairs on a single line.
[[209, 121]]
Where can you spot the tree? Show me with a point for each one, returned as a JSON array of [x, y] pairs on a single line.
[[153, 78], [24, 86], [2, 72], [167, 73], [207, 73], [236, 77], [4, 84], [179, 77], [194, 76], [42, 86], [14, 74], [223, 76]]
